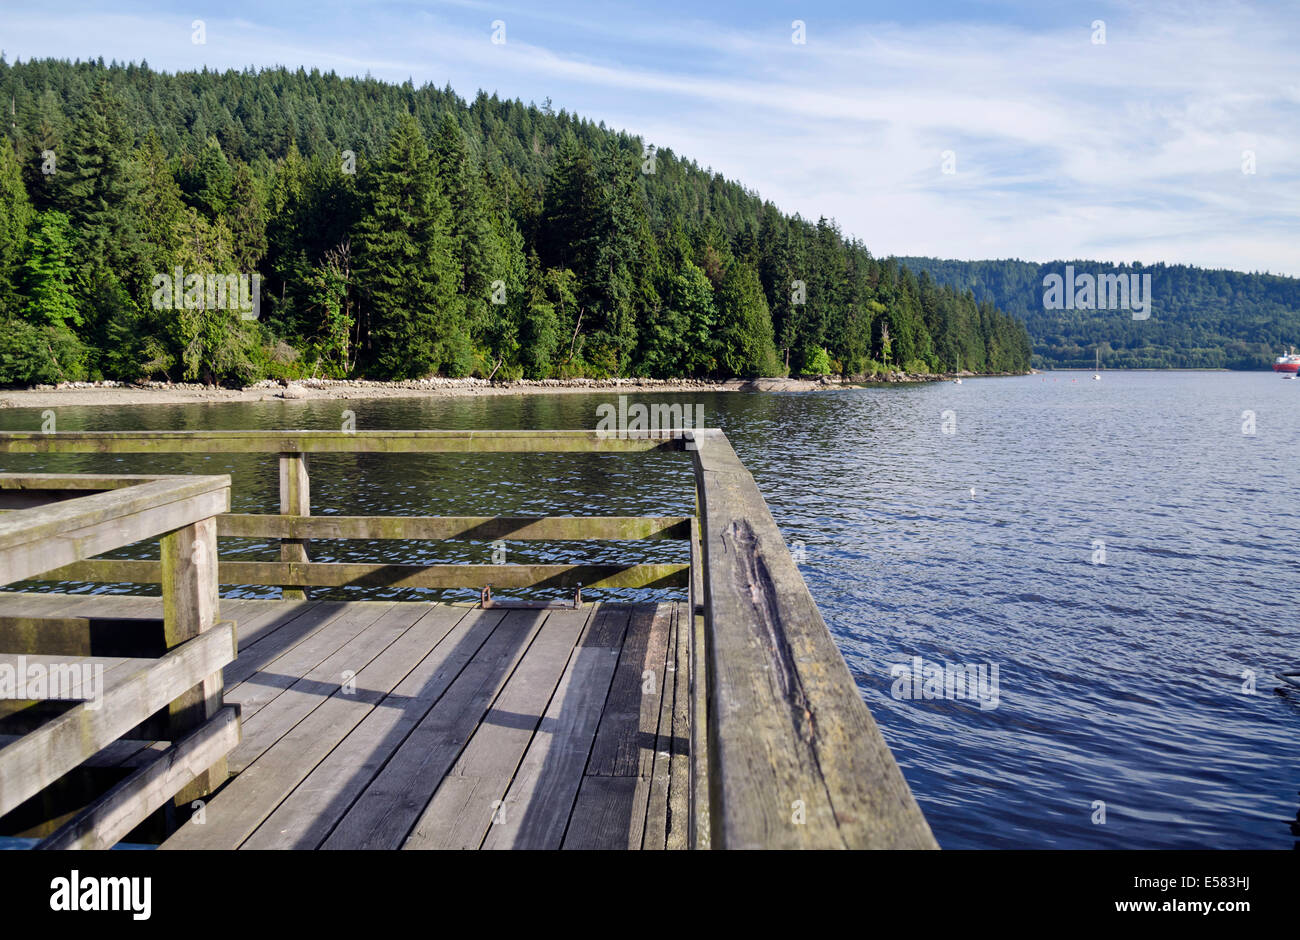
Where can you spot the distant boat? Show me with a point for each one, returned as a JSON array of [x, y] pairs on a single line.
[[1096, 375], [958, 379], [1290, 363]]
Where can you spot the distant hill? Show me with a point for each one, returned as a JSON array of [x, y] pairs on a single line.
[[1200, 318]]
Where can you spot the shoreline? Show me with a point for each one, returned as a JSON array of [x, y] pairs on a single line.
[[160, 393]]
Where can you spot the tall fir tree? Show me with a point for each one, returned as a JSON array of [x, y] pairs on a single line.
[[406, 265]]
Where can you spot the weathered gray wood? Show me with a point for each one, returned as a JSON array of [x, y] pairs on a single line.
[[54, 619], [362, 442], [329, 574], [307, 816], [24, 490], [678, 745], [79, 482], [117, 754], [795, 758], [609, 813], [295, 500], [303, 659], [254, 655], [278, 713], [264, 794], [108, 820], [384, 814], [190, 603], [625, 737], [700, 831], [697, 566], [83, 636], [462, 528], [42, 756], [460, 812], [536, 808], [658, 813], [34, 541]]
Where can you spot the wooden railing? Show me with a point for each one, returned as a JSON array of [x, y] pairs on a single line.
[[295, 524], [86, 515], [785, 753]]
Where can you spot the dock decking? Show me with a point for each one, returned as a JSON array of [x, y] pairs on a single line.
[[375, 724], [723, 719]]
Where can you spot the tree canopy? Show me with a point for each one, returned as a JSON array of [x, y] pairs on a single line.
[[397, 232]]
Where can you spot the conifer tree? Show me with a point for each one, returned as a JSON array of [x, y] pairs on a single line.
[[405, 263]]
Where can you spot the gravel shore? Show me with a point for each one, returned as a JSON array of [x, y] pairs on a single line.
[[112, 393]]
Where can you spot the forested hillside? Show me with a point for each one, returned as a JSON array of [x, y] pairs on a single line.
[[401, 231], [1200, 318]]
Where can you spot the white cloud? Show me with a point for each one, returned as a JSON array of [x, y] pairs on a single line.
[[1127, 151]]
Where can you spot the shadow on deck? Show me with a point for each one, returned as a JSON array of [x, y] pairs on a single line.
[[414, 725]]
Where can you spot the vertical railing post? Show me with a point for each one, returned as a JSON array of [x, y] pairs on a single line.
[[190, 606], [698, 823], [295, 500]]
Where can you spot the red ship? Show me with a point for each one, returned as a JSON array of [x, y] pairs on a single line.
[[1288, 363]]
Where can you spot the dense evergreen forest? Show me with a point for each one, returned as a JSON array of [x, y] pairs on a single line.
[[399, 232], [1200, 319]]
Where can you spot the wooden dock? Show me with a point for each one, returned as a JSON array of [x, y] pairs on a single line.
[[372, 724], [724, 719]]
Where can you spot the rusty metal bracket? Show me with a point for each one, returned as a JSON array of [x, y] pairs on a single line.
[[486, 602]]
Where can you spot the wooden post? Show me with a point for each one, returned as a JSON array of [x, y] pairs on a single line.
[[698, 824], [295, 500], [190, 607]]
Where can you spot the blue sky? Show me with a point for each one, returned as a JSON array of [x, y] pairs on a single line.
[[1131, 149]]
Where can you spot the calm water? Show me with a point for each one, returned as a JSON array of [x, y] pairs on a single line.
[[1120, 679]]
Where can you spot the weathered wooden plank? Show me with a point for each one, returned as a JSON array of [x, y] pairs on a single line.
[[117, 624], [304, 659], [384, 814], [58, 669], [464, 528], [328, 574], [42, 756], [625, 737], [540, 799], [306, 817], [361, 442], [267, 725], [459, 814], [265, 804], [83, 636], [34, 541], [656, 824], [80, 482], [255, 619], [678, 745], [256, 654], [609, 813], [108, 820], [796, 760], [24, 490], [116, 754]]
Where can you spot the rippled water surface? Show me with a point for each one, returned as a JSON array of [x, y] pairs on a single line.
[[1120, 550]]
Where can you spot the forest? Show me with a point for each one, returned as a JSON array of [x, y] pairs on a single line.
[[1199, 319], [393, 232]]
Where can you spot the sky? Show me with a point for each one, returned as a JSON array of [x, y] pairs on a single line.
[[959, 130]]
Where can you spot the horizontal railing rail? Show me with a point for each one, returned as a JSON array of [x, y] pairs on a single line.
[[351, 442], [294, 525], [795, 758]]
